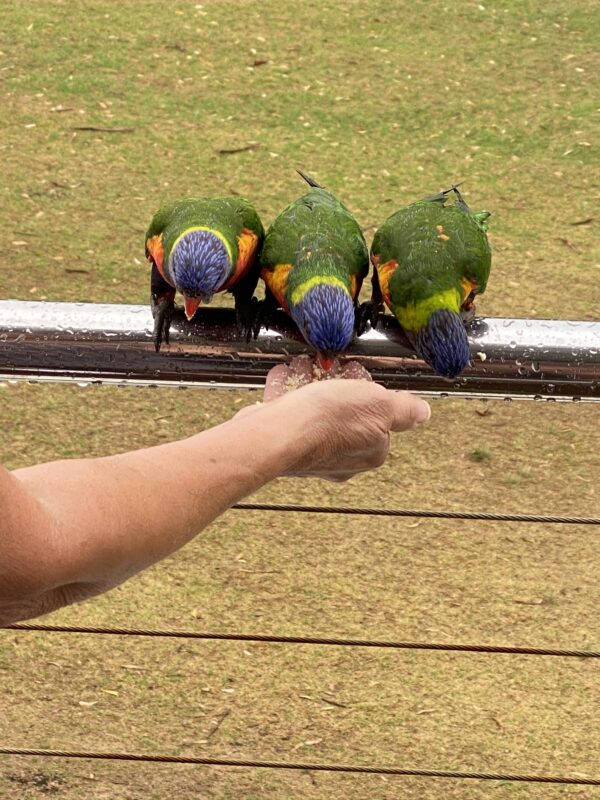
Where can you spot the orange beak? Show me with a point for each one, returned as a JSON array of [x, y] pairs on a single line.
[[325, 362], [191, 306]]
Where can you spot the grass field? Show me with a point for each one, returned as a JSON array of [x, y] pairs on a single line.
[[108, 109]]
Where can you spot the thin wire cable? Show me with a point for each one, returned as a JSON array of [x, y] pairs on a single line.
[[311, 640], [398, 512], [309, 767]]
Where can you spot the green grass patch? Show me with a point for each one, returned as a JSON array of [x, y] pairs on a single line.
[[384, 103]]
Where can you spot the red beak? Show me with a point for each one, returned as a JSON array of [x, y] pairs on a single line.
[[325, 362], [191, 306]]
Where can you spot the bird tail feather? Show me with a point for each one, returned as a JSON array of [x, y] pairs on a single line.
[[311, 181]]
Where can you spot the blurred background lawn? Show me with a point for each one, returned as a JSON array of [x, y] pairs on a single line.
[[110, 108]]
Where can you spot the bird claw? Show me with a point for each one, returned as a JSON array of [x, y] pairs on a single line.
[[246, 313], [162, 311], [265, 313], [467, 314], [366, 314]]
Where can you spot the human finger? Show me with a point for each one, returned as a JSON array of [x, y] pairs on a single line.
[[408, 411], [352, 370], [276, 380], [301, 370], [285, 377]]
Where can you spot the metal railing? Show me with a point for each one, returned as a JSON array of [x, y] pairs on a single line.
[[84, 342]]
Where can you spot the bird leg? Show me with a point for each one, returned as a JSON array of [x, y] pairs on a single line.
[[467, 310], [246, 305], [467, 314], [369, 311], [162, 300], [266, 312], [246, 311]]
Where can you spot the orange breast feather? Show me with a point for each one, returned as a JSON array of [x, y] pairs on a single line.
[[384, 273], [154, 249], [277, 280], [356, 282], [247, 245]]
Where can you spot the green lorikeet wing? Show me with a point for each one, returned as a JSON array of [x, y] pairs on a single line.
[[314, 236], [313, 263]]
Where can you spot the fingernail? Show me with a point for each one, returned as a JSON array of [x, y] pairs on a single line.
[[422, 412]]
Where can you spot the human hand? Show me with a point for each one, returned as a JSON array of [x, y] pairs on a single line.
[[303, 370], [342, 426]]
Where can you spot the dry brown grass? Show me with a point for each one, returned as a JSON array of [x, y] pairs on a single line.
[[516, 102]]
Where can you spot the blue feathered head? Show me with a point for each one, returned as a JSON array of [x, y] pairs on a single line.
[[325, 316], [443, 343], [199, 264]]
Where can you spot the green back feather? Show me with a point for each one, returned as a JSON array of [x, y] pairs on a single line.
[[318, 236], [429, 264]]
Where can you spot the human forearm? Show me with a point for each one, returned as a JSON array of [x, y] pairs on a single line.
[[111, 517], [72, 529]]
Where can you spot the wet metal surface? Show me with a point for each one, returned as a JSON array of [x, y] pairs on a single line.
[[87, 342]]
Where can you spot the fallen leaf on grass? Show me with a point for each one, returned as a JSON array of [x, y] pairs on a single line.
[[307, 743], [334, 703], [535, 601], [585, 221], [217, 723], [227, 151], [567, 243], [101, 129]]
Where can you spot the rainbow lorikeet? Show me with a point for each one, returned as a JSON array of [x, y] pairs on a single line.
[[313, 263], [430, 260], [200, 246]]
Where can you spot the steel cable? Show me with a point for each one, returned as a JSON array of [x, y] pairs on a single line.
[[310, 640], [398, 512], [308, 767], [335, 642]]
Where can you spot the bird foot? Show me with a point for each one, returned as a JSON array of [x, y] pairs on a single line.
[[265, 313], [467, 314], [246, 313], [162, 311], [367, 314]]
